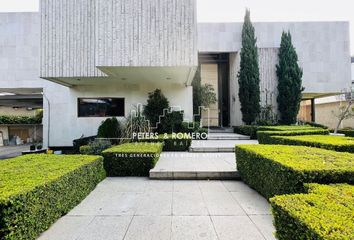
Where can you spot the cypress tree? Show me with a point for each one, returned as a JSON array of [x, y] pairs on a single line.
[[248, 76], [289, 81]]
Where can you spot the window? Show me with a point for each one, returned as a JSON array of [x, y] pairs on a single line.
[[101, 107]]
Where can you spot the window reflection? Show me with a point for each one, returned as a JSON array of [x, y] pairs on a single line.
[[101, 107]]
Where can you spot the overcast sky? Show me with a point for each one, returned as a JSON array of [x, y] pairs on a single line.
[[261, 10]]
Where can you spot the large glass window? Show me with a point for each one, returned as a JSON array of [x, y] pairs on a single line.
[[101, 107]]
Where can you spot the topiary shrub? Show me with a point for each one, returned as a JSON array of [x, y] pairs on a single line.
[[155, 106], [171, 122], [95, 147], [38, 189], [324, 212], [131, 159], [336, 143], [280, 169], [110, 128], [248, 130]]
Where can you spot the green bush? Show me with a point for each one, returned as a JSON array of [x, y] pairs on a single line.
[[280, 169], [21, 119], [131, 159], [325, 212], [156, 104], [336, 143], [347, 132], [110, 128], [176, 142], [264, 137], [37, 189], [248, 130], [171, 122], [95, 147]]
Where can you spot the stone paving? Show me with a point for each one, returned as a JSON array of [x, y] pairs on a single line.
[[139, 208], [217, 145], [12, 151], [187, 165]]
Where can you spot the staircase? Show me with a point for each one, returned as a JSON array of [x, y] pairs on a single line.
[[207, 159]]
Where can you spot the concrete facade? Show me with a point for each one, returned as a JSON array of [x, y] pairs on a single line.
[[129, 48]]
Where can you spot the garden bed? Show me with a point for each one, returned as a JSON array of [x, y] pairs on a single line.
[[132, 159], [336, 143], [324, 212], [280, 169], [36, 190]]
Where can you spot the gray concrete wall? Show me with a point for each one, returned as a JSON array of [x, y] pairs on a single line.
[[323, 48], [19, 50], [79, 35]]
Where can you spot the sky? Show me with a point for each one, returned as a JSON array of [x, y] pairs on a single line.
[[261, 10]]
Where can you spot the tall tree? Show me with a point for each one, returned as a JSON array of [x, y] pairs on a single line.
[[248, 76], [289, 81]]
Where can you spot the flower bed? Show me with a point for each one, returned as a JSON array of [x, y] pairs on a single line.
[[36, 190], [324, 212], [132, 159], [336, 143], [280, 169]]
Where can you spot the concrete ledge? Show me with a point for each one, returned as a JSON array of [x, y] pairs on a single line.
[[211, 149], [194, 175]]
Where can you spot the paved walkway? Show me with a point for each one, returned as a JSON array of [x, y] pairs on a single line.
[[12, 151], [139, 208], [217, 145], [187, 165]]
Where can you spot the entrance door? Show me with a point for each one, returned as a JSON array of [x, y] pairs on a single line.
[[209, 75]]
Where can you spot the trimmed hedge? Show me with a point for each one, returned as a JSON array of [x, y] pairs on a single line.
[[251, 130], [20, 119], [131, 159], [176, 142], [325, 212], [347, 132], [248, 130], [336, 143], [280, 169], [37, 189], [264, 137]]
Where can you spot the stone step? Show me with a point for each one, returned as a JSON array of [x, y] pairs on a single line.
[[197, 166], [227, 136], [221, 130], [194, 175], [211, 149]]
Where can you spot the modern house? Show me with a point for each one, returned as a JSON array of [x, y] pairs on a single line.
[[93, 59]]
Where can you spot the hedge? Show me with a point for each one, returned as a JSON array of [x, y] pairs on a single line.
[[131, 159], [37, 189], [336, 143], [325, 212], [347, 132], [20, 119], [280, 169], [264, 137], [251, 130]]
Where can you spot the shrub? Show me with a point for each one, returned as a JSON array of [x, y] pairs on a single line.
[[325, 212], [314, 124], [249, 130], [110, 128], [95, 147], [264, 137], [171, 122], [336, 143], [347, 132], [77, 143], [274, 169], [21, 119], [190, 127], [131, 159], [156, 104], [37, 189], [176, 142]]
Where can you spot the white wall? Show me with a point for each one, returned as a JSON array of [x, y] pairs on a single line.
[[65, 126]]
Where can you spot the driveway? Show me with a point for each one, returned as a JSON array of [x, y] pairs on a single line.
[[12, 151], [139, 208]]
